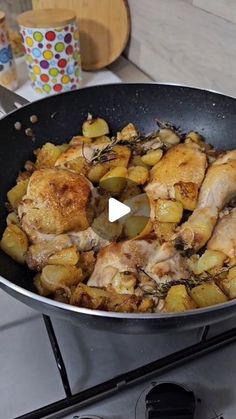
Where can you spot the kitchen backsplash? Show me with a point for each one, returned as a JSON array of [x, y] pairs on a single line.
[[185, 41]]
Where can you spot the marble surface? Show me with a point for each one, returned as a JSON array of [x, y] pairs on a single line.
[[175, 41]]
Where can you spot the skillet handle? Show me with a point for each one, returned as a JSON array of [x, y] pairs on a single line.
[[9, 101]]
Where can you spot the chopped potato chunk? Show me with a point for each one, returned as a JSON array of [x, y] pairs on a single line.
[[128, 133], [79, 140], [68, 256], [209, 260], [138, 174], [164, 231], [178, 299], [15, 243], [12, 219], [168, 211], [115, 180], [96, 127], [16, 193], [138, 161], [228, 284], [207, 294], [47, 156], [39, 286], [54, 277], [168, 137], [135, 225], [122, 156], [96, 172], [152, 157]]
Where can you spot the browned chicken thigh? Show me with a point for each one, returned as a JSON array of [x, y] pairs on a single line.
[[218, 188]]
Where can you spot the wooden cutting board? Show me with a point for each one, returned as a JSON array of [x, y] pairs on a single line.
[[104, 27]]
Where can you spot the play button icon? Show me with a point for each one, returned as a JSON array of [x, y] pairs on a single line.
[[117, 210]]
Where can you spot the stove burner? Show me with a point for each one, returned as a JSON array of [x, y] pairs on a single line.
[[170, 401]]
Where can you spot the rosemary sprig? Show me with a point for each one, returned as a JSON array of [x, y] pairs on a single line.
[[106, 153], [162, 289]]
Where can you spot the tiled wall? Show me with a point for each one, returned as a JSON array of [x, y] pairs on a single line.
[[186, 41]]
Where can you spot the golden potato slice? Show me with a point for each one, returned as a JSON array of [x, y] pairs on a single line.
[[164, 231], [187, 194], [12, 219], [68, 256], [47, 156], [168, 137], [178, 299], [228, 284], [138, 174], [114, 181], [135, 225], [128, 133], [137, 161], [15, 243], [122, 156], [79, 140], [54, 277], [168, 211], [209, 260], [152, 157], [96, 127], [16, 193], [207, 294], [38, 285], [96, 172]]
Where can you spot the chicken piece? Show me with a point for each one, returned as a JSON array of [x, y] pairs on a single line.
[[178, 165], [124, 256], [167, 264], [161, 263], [224, 235], [218, 188], [55, 203], [39, 253], [87, 240]]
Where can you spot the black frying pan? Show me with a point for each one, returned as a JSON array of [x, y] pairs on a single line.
[[211, 114]]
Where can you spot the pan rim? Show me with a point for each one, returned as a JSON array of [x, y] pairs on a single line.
[[111, 314], [99, 313], [153, 83]]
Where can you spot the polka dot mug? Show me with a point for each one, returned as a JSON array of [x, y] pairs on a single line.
[[52, 53]]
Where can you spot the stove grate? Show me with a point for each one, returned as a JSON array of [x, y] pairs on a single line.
[[73, 401]]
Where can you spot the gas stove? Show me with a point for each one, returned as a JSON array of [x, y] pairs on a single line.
[[107, 375]]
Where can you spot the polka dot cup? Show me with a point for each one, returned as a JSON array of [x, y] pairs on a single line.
[[52, 55]]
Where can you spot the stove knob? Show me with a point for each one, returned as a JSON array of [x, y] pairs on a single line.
[[170, 401]]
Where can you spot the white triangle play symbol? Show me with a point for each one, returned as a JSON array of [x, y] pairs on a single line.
[[116, 210]]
